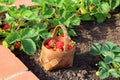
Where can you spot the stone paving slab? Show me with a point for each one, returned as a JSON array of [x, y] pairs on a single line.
[[12, 67]]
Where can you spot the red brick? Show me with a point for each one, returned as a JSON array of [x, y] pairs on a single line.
[[26, 76], [9, 63]]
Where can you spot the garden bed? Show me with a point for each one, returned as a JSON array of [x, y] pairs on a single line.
[[25, 28], [84, 64]]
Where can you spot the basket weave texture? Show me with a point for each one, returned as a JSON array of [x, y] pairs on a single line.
[[51, 59]]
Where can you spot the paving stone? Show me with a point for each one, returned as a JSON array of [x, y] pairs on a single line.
[[26, 76], [9, 63], [25, 2]]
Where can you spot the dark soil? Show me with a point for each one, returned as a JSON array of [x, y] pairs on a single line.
[[84, 64]]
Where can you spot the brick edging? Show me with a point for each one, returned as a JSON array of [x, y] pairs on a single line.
[[12, 68]]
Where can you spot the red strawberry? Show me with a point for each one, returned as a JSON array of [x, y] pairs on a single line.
[[47, 46], [17, 45], [61, 35], [70, 47], [6, 27], [59, 44], [52, 43], [71, 43]]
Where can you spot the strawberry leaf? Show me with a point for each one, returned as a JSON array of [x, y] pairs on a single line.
[[28, 46]]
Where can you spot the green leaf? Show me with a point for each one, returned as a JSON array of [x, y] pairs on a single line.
[[86, 17], [108, 53], [39, 2], [27, 14], [44, 34], [103, 65], [48, 13], [105, 48], [72, 32], [95, 2], [103, 73], [75, 21], [96, 49], [114, 73], [114, 3], [4, 43], [108, 59], [67, 19], [41, 26], [8, 17], [3, 9], [117, 59], [100, 17], [14, 12], [12, 37], [8, 2], [105, 7], [111, 45], [60, 2], [28, 46], [28, 33], [116, 49], [55, 22]]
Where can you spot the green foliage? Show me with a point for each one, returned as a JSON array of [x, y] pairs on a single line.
[[34, 24], [110, 63], [7, 2]]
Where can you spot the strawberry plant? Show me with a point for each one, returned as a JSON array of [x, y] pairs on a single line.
[[110, 59], [45, 15]]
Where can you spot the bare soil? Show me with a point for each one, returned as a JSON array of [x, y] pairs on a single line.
[[84, 67]]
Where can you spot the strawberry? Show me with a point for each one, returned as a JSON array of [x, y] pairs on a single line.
[[61, 35], [52, 43], [17, 45], [59, 44], [47, 46], [71, 43], [6, 27], [70, 47]]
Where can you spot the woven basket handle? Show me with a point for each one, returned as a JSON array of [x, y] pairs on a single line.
[[54, 34]]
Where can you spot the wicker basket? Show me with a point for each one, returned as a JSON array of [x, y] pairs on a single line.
[[51, 59]]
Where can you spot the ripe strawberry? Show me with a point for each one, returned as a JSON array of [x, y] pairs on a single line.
[[61, 35], [47, 46], [71, 43], [6, 27], [70, 47], [17, 45], [59, 44], [52, 43]]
